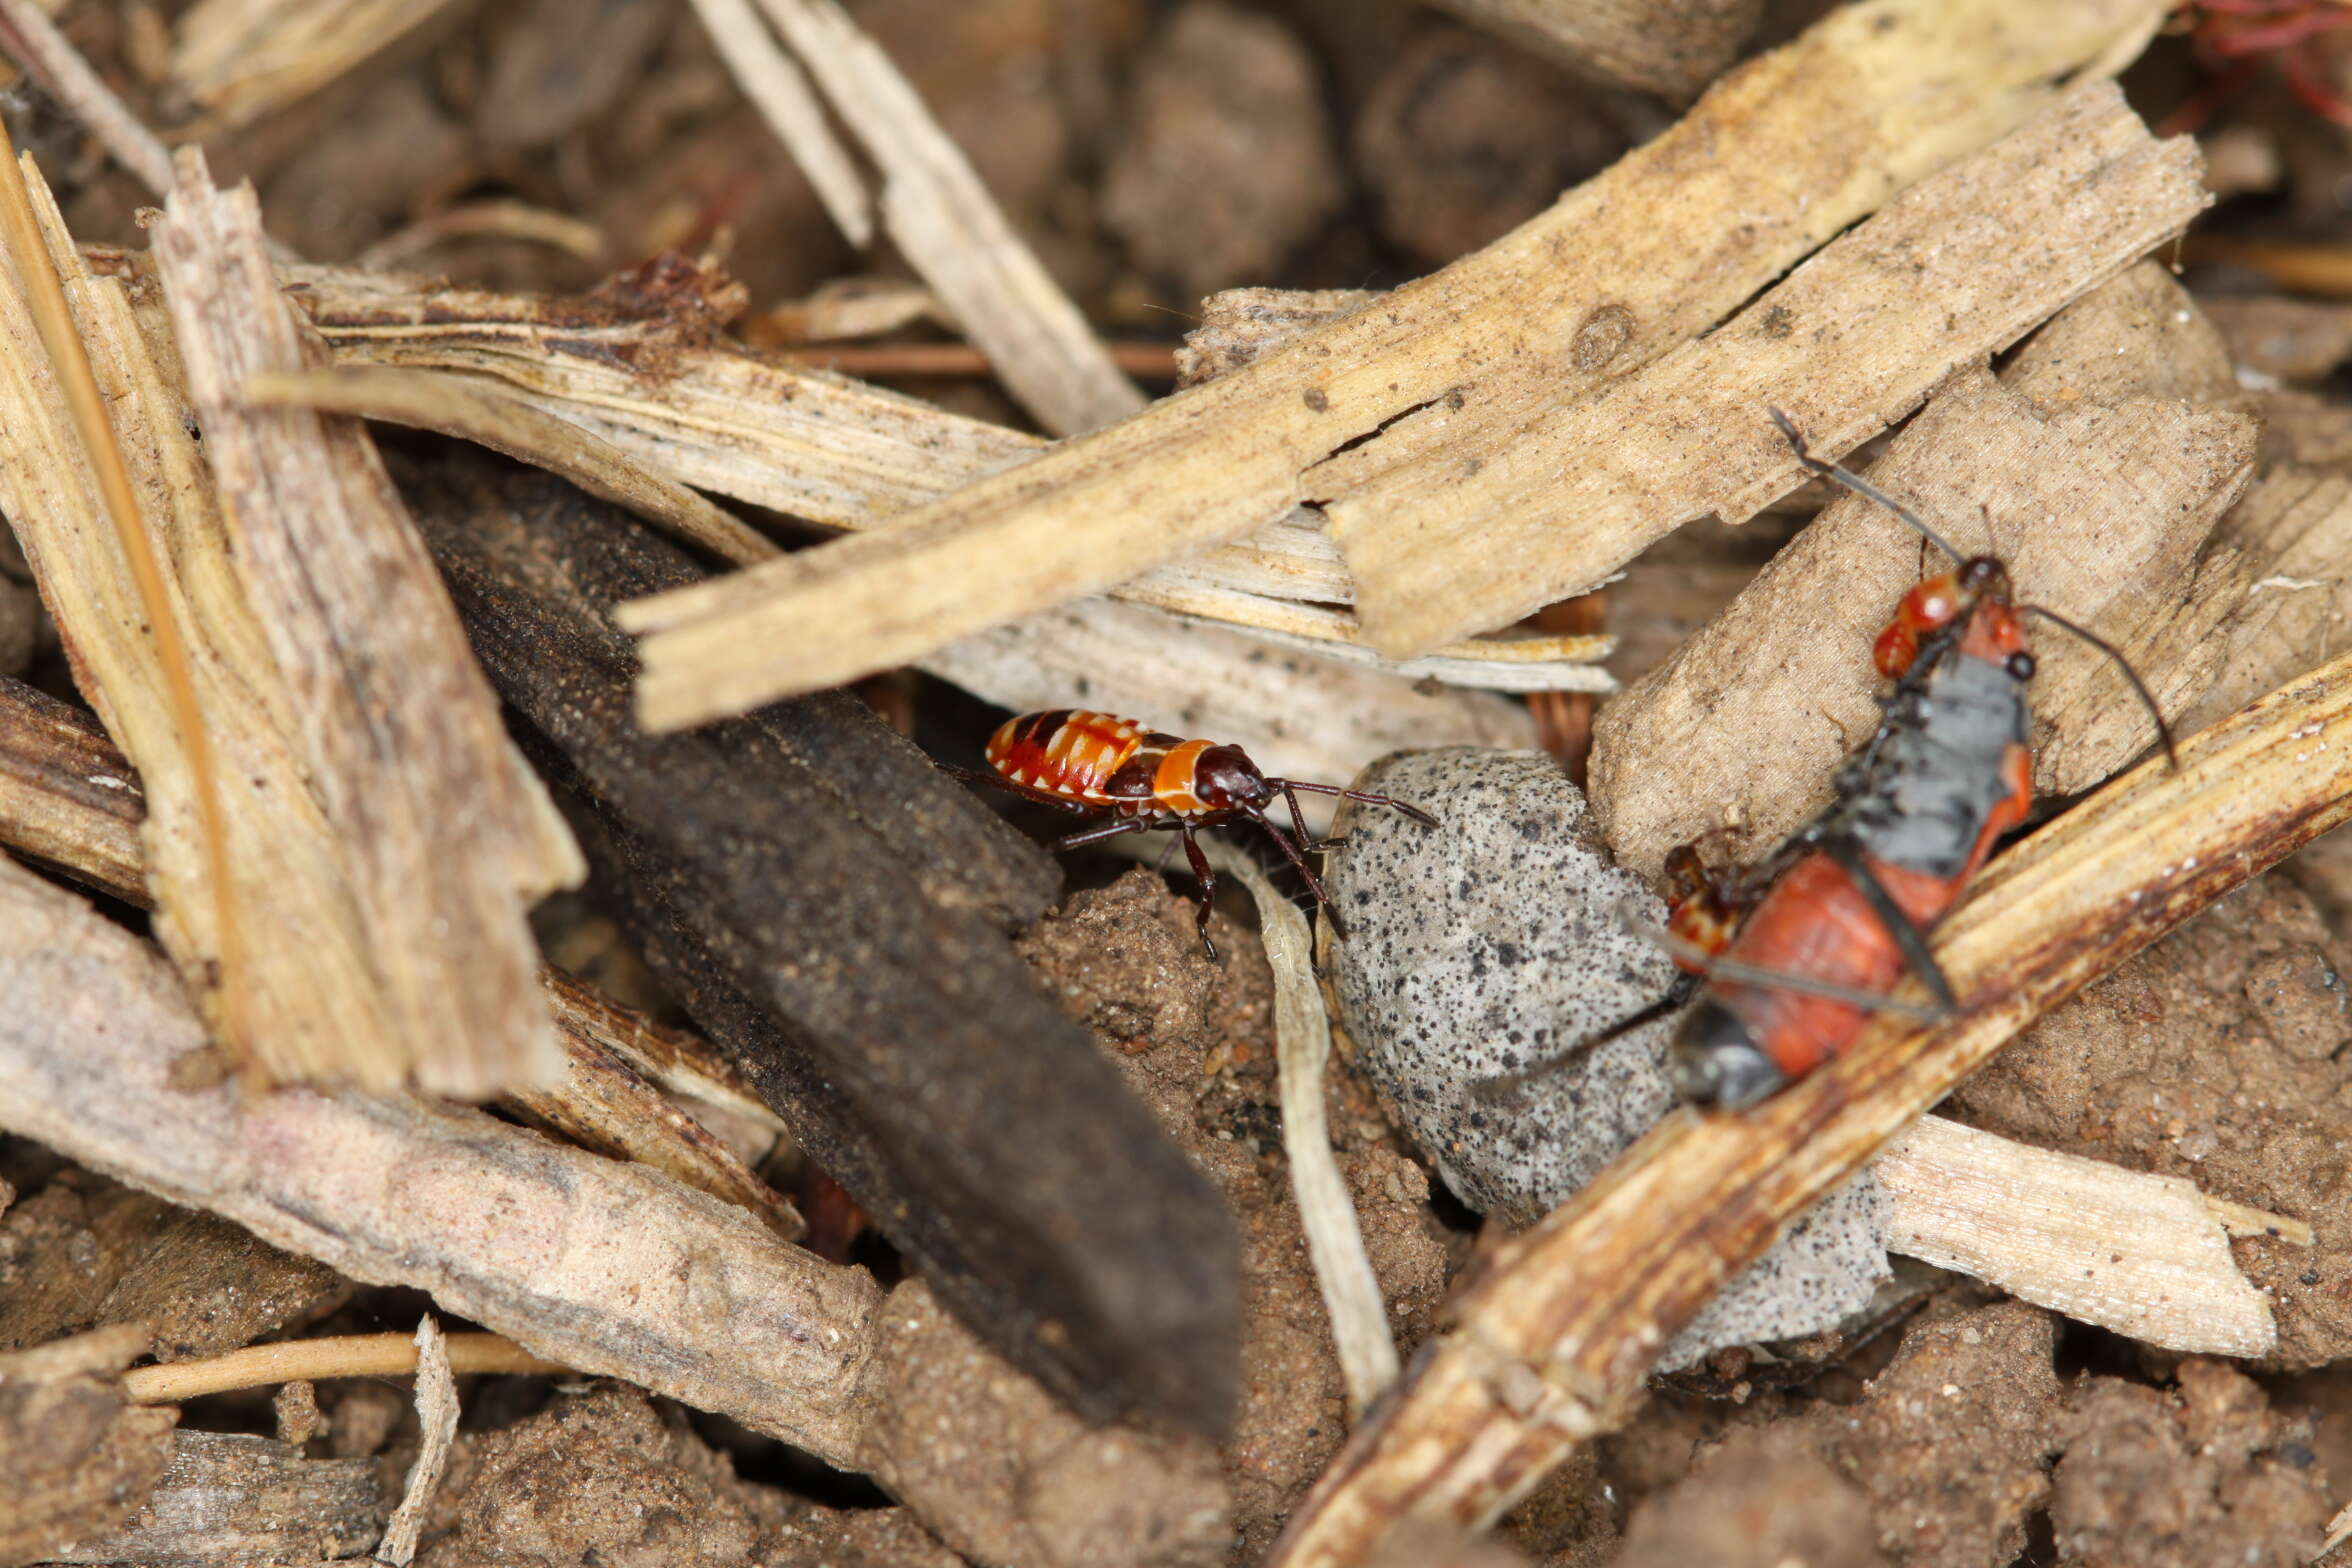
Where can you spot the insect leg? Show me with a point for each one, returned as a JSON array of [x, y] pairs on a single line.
[[1314, 886], [1415, 812], [1908, 937], [1298, 820], [1208, 884], [1096, 835]]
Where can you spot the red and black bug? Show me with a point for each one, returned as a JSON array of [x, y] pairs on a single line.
[[1801, 950], [1100, 765]]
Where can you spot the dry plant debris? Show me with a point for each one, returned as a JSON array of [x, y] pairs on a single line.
[[1832, 124], [370, 928], [595, 1264], [2189, 1103], [77, 1456]]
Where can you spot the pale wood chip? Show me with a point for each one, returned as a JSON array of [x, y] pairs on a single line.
[[2146, 1256], [1777, 159], [482, 412], [1958, 267], [592, 1263]]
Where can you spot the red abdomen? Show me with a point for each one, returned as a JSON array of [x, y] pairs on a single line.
[[1068, 753]]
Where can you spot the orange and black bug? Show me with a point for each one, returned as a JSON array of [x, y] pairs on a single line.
[[1801, 950], [1100, 765]]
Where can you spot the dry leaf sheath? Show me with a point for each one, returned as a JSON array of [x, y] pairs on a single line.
[[1776, 159], [1551, 1346]]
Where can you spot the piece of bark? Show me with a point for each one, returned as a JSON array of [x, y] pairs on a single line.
[[230, 1498], [1553, 1341], [199, 1285], [448, 833], [51, 755], [1960, 266], [831, 908], [2099, 493], [1777, 160], [76, 1457], [594, 1264], [1668, 47]]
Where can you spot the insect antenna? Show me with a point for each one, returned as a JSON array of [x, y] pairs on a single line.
[[1314, 886], [1415, 812], [1859, 485], [2139, 687]]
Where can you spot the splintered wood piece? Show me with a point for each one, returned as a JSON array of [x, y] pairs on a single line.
[[1552, 1345], [1327, 1210], [488, 415], [832, 909], [1775, 160], [2099, 500], [604, 1103], [2147, 1256], [229, 1497], [68, 796], [1958, 267], [641, 366], [933, 207], [1669, 47], [591, 1263], [241, 59], [444, 832], [269, 916]]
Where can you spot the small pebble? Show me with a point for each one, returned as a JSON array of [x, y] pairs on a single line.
[[1480, 957]]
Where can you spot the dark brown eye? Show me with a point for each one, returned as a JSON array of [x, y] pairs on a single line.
[[2021, 666]]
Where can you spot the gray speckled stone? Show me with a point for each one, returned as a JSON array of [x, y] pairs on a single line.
[[1497, 944]]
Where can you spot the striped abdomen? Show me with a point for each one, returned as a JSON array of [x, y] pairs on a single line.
[[1099, 760]]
